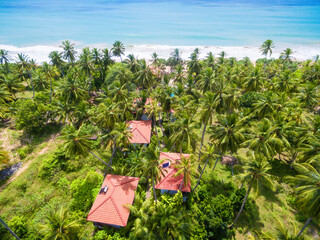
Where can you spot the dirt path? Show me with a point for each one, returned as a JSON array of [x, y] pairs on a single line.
[[27, 164]]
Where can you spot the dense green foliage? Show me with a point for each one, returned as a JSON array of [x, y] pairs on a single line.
[[259, 122]]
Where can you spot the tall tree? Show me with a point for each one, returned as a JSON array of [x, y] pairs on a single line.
[[4, 58], [286, 55], [56, 60], [118, 49], [24, 65], [151, 166], [187, 168], [69, 52], [50, 73], [77, 142], [60, 225], [267, 47], [255, 174], [308, 190]]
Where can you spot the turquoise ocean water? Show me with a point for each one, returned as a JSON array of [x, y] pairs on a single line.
[[176, 22]]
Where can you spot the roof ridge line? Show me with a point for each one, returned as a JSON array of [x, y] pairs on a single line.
[[141, 134], [102, 202], [110, 180], [166, 176], [116, 207]]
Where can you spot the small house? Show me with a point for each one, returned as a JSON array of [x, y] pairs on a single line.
[[109, 208], [141, 131], [170, 183]]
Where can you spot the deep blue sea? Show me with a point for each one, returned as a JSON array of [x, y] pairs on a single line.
[[175, 22]]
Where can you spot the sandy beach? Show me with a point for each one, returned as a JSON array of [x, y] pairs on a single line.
[[41, 53]]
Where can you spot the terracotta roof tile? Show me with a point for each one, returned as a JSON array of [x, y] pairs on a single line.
[[141, 131], [168, 181], [109, 208]]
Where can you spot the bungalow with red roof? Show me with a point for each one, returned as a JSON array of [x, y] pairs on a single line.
[[141, 131], [170, 183], [109, 208]]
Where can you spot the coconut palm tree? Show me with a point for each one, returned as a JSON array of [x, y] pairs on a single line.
[[77, 142], [206, 114], [308, 190], [40, 81], [144, 77], [151, 165], [210, 153], [118, 49], [187, 168], [267, 47], [106, 115], [207, 81], [229, 134], [25, 66], [4, 59], [71, 90], [69, 52], [176, 56], [286, 55], [5, 96], [50, 73], [262, 138], [153, 109], [12, 84], [86, 64], [60, 225], [56, 60], [184, 131], [194, 64], [119, 138], [281, 232], [255, 174]]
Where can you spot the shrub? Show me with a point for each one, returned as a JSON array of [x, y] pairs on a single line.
[[84, 191], [53, 164], [237, 198], [222, 207], [18, 225], [32, 117], [249, 98]]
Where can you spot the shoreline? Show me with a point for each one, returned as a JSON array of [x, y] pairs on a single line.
[[40, 53]]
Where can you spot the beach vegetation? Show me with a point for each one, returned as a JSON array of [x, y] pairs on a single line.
[[251, 129]]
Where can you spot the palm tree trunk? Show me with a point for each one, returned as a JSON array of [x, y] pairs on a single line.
[[181, 183], [203, 133], [215, 164], [205, 165], [243, 203], [90, 80], [6, 226], [155, 128], [160, 124], [101, 160], [154, 190], [50, 90], [30, 76], [305, 225], [113, 151]]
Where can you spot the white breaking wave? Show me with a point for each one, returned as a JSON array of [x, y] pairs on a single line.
[[41, 53]]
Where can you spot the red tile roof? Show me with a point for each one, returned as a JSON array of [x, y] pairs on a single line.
[[168, 181], [141, 131], [108, 207]]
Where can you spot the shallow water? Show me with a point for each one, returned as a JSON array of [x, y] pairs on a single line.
[[179, 23]]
